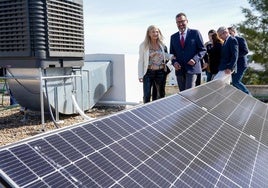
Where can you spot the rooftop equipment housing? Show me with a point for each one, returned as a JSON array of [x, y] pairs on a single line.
[[42, 50], [41, 33]]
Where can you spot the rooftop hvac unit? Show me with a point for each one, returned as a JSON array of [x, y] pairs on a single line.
[[41, 33]]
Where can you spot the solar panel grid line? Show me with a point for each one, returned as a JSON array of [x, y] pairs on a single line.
[[200, 131], [247, 119], [232, 153], [31, 160], [260, 144], [206, 90], [241, 162], [247, 114], [209, 155], [89, 138], [203, 170], [100, 178], [47, 176], [154, 145], [264, 129], [63, 147], [175, 130], [191, 182], [15, 167], [144, 162], [194, 174], [260, 174], [7, 179], [264, 137], [73, 139], [239, 117], [73, 171], [134, 145], [226, 182], [106, 166], [154, 116], [231, 114], [254, 127], [197, 156]]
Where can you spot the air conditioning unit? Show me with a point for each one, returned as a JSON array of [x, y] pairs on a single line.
[[41, 33]]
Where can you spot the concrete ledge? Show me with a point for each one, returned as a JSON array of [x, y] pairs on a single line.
[[258, 90]]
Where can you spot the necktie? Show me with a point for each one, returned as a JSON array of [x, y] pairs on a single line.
[[182, 40]]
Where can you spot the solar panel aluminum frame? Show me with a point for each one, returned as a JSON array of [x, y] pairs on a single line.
[[195, 138]]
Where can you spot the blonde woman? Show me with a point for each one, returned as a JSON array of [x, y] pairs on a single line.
[[152, 63]]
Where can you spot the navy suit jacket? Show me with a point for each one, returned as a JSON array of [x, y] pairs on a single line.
[[242, 52], [193, 49], [229, 54]]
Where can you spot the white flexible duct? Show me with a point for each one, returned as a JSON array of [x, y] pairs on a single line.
[[79, 110]]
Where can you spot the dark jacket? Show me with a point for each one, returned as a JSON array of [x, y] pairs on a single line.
[[242, 52], [229, 54], [214, 57], [193, 49]]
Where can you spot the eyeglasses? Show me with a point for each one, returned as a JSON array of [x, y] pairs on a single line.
[[181, 21]]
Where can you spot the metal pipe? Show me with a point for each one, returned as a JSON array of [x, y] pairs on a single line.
[[55, 77], [42, 101], [79, 110], [118, 103]]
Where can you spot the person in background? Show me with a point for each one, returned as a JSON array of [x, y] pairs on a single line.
[[214, 54], [152, 63], [229, 56], [154, 89], [206, 57], [188, 48], [242, 63]]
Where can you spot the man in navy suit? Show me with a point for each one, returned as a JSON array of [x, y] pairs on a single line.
[[242, 63], [229, 56], [188, 48]]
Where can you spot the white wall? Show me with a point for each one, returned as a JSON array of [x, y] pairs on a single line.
[[126, 87]]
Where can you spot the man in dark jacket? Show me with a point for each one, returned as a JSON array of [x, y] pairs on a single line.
[[188, 48], [229, 56], [242, 63]]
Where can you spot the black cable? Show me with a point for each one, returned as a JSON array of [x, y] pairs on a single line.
[[34, 93]]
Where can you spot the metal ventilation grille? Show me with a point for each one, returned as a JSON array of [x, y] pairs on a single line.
[[65, 28], [14, 33]]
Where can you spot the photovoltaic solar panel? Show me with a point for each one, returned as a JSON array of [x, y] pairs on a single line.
[[210, 136]]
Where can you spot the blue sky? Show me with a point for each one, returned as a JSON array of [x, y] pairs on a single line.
[[116, 26]]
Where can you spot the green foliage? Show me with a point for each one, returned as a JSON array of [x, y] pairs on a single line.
[[255, 30], [253, 77]]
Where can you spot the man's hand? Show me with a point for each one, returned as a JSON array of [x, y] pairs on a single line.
[[228, 71], [205, 66], [177, 66], [191, 62]]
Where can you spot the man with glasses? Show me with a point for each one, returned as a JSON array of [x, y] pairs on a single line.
[[242, 63], [188, 47], [229, 56]]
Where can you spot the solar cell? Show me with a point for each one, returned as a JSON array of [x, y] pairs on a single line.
[[209, 136]]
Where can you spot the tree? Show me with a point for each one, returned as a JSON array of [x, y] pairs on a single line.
[[255, 30]]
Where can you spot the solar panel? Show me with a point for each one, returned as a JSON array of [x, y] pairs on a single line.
[[209, 136]]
